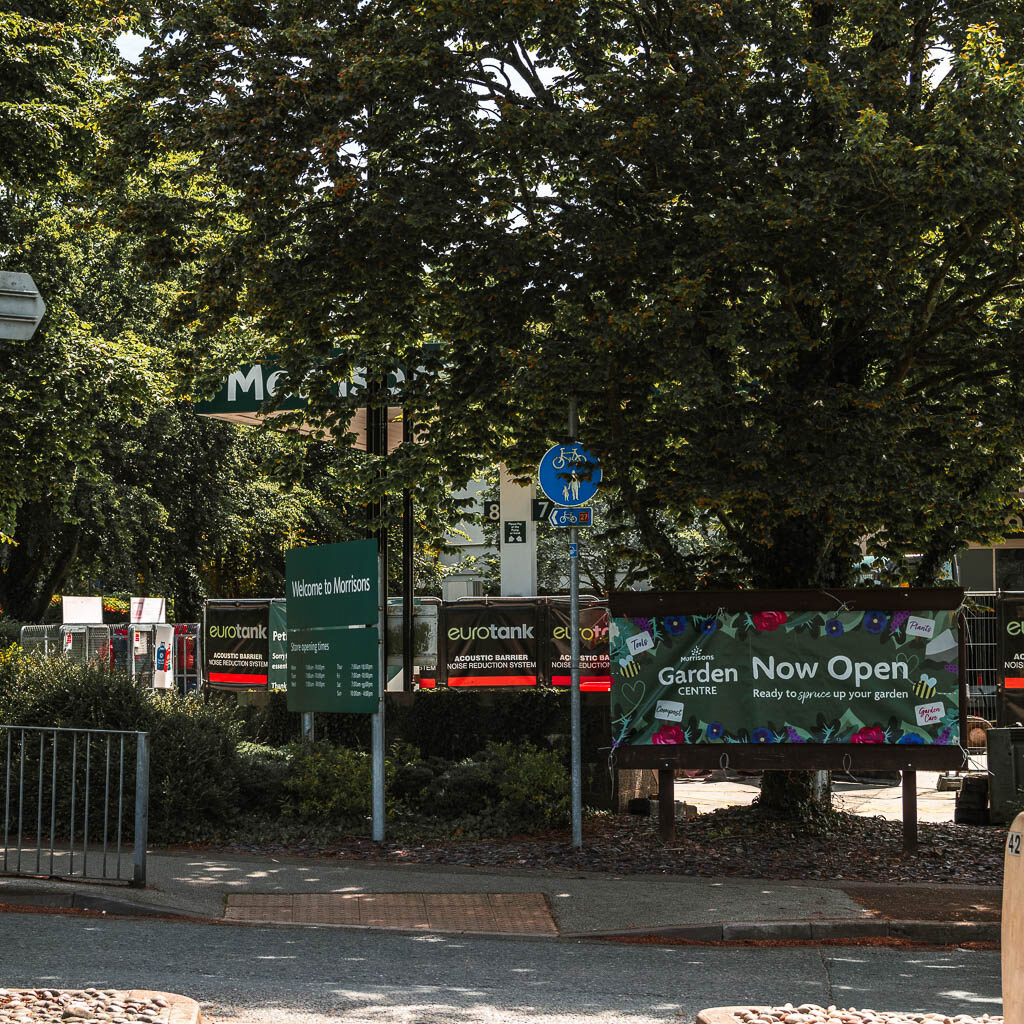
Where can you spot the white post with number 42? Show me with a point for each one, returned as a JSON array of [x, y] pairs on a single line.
[[1013, 924]]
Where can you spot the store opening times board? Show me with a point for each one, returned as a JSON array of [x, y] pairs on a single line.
[[333, 670]]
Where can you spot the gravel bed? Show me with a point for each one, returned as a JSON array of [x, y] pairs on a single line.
[[809, 1013], [33, 1006]]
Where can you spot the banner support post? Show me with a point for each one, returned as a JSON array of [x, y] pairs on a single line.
[[909, 810]]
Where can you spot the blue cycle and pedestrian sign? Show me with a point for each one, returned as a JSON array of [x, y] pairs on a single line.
[[569, 475]]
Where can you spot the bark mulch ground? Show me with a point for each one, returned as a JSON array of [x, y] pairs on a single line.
[[741, 842]]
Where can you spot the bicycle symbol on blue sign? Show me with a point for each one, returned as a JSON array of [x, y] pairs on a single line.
[[569, 474]]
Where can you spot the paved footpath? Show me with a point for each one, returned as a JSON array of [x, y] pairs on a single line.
[[298, 890]]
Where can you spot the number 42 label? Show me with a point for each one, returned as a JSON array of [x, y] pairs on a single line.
[[1013, 843]]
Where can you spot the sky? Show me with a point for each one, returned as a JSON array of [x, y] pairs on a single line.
[[131, 45]]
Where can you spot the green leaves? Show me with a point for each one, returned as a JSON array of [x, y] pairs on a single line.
[[772, 248]]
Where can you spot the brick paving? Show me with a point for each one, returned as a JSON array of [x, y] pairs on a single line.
[[508, 913]]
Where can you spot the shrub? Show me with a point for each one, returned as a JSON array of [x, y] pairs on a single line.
[[263, 771], [10, 632], [534, 786], [509, 787], [328, 783], [194, 767]]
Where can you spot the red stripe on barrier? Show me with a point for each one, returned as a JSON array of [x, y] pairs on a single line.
[[492, 680], [592, 683], [1014, 683], [230, 677]]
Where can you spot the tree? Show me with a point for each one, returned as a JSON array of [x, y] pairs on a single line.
[[82, 368], [772, 245]]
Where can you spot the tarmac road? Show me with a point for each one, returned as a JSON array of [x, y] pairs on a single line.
[[284, 975]]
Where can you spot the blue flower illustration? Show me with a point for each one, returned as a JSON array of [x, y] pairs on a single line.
[[834, 627], [715, 730], [709, 626], [875, 622], [762, 735], [675, 624], [910, 737]]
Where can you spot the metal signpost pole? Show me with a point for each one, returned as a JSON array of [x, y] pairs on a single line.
[[408, 579], [377, 719], [377, 443], [569, 475], [574, 665]]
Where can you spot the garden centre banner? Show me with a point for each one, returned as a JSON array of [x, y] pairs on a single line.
[[236, 647], [782, 676], [595, 674], [492, 645]]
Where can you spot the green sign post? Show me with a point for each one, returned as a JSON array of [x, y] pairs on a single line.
[[333, 638]]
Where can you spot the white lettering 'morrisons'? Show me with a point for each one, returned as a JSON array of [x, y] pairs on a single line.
[[784, 669], [251, 380], [352, 585]]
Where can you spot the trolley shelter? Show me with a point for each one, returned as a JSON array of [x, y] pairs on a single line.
[[794, 680]]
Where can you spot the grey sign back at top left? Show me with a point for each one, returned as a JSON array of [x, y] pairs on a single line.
[[21, 306]]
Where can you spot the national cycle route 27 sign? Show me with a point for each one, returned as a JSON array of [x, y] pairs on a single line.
[[784, 675]]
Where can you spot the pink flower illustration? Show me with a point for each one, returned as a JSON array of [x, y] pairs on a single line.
[[669, 734], [765, 622], [869, 734]]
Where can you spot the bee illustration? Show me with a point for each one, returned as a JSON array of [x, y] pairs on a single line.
[[629, 667], [925, 688]]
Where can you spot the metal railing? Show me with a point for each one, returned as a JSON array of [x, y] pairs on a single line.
[[57, 785], [983, 665]]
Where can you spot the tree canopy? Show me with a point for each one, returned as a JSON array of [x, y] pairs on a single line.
[[772, 245]]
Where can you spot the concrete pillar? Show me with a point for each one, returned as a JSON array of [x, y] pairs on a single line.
[[518, 559]]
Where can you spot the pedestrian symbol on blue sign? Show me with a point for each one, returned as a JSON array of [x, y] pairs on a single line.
[[569, 474]]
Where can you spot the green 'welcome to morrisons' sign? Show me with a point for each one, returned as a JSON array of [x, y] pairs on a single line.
[[778, 675]]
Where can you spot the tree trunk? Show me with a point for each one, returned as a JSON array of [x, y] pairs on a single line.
[[800, 796], [802, 554]]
